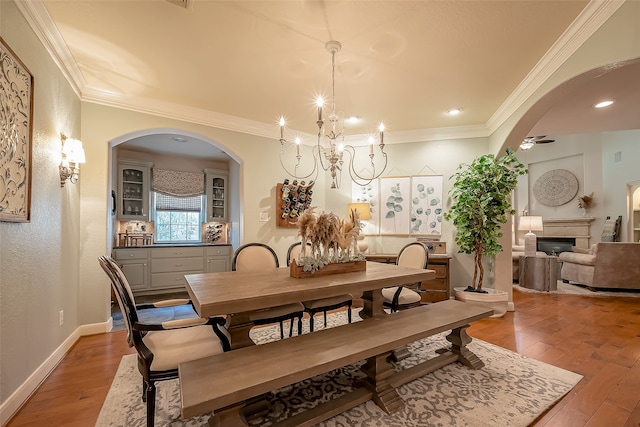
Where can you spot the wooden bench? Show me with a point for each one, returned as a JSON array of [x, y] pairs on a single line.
[[222, 383]]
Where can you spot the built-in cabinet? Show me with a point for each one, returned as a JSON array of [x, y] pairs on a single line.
[[151, 270], [636, 225], [133, 190], [134, 263], [217, 258], [216, 189]]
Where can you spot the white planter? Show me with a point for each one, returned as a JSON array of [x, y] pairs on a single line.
[[494, 299]]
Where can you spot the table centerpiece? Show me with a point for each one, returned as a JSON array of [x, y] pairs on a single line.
[[329, 244]]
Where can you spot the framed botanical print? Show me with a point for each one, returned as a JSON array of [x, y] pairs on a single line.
[[426, 204], [394, 205], [16, 128]]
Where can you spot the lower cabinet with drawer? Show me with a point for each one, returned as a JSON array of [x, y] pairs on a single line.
[[169, 265], [154, 270], [438, 288], [217, 258], [134, 263]]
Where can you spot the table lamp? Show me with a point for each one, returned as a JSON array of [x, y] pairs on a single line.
[[364, 213], [530, 223]]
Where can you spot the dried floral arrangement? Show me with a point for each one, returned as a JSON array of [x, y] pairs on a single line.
[[585, 201], [330, 239]]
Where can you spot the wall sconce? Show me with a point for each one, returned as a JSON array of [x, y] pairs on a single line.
[[72, 156]]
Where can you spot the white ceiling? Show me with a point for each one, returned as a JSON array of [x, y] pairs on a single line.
[[241, 64]]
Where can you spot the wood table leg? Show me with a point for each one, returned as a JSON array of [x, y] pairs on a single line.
[[231, 416], [239, 327], [378, 372], [459, 340], [372, 304]]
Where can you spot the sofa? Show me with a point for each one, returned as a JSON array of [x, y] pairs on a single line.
[[610, 265]]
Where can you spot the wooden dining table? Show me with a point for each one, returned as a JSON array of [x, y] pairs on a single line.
[[237, 293]]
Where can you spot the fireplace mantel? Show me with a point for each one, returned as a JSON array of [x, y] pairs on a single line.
[[579, 228]]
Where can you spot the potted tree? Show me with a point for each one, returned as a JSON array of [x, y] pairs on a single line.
[[481, 202]]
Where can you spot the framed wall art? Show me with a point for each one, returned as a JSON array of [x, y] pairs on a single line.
[[16, 122], [395, 212], [426, 204]]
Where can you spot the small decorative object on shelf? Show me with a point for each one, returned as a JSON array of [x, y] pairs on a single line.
[[585, 203], [329, 244], [291, 200]]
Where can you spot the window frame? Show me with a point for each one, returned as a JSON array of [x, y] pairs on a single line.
[[201, 218]]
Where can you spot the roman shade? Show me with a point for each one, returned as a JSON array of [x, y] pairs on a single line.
[[177, 183]]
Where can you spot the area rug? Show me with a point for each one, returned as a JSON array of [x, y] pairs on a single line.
[[571, 289], [510, 390]]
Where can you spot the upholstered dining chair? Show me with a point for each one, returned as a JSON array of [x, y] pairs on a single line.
[[161, 347], [256, 257], [324, 304], [396, 298]]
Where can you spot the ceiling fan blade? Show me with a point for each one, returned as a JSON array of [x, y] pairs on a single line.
[[544, 141]]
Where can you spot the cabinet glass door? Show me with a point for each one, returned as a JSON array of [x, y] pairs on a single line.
[[217, 194], [133, 192]]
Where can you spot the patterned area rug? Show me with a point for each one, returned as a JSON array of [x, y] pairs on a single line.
[[510, 390]]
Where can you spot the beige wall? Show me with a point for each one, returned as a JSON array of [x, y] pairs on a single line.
[[39, 260], [50, 264]]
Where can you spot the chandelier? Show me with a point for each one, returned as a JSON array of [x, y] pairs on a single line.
[[329, 151]]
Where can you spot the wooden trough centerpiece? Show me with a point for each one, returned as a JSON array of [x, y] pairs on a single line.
[[329, 245]]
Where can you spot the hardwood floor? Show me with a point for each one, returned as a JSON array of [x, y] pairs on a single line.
[[597, 337]]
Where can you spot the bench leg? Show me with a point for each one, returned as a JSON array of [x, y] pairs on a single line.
[[459, 340], [378, 372], [231, 416]]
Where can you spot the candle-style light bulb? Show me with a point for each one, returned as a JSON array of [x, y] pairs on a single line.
[[371, 141], [282, 127], [297, 145], [319, 103], [381, 127]]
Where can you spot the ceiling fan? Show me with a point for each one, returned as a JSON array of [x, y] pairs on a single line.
[[530, 141]]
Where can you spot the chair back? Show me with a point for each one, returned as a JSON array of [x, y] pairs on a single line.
[[123, 295], [294, 252], [414, 254], [254, 257]]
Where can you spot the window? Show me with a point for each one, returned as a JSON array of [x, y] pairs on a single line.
[[178, 219]]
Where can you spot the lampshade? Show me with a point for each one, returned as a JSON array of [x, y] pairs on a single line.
[[73, 151], [362, 209], [530, 223]]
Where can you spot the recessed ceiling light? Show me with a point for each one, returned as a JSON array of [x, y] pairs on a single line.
[[179, 139], [454, 111], [603, 104], [353, 119]]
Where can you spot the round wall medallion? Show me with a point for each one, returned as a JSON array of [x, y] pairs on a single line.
[[556, 187]]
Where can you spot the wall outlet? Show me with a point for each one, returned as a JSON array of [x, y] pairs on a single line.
[[264, 216], [61, 317]]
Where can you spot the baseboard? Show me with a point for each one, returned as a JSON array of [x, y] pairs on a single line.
[[10, 407], [511, 306]]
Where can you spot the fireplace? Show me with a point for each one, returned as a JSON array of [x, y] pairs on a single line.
[[555, 245], [577, 229]]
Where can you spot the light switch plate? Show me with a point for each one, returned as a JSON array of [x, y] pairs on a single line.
[[264, 216]]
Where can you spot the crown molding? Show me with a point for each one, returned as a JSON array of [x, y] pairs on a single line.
[[588, 21], [40, 21]]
